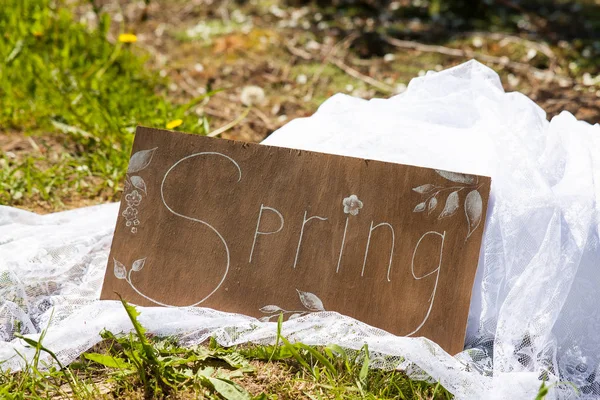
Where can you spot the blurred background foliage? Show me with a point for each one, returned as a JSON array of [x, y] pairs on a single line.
[[72, 92]]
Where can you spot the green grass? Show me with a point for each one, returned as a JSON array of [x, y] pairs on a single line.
[[80, 97], [137, 366]]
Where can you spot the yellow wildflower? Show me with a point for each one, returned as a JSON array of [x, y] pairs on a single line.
[[174, 124], [127, 38]]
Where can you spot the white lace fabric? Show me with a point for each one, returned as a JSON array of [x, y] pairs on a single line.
[[535, 309]]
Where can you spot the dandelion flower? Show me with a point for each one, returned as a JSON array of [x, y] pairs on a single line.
[[174, 124], [252, 95], [127, 38]]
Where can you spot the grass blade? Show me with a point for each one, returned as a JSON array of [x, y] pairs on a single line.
[[364, 370], [315, 353], [296, 354], [228, 389], [107, 361]]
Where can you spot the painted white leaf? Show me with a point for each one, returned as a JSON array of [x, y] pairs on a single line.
[[140, 160], [310, 301], [424, 189], [420, 207], [138, 182], [451, 205], [432, 205], [120, 270], [138, 264], [270, 309], [473, 210], [264, 319], [456, 177], [294, 316]]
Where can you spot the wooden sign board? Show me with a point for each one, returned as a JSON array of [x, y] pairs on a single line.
[[261, 230]]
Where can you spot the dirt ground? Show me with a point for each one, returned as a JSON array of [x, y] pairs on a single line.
[[300, 57]]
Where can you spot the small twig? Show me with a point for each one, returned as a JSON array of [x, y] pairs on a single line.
[[224, 12], [270, 78], [11, 145], [330, 57], [230, 125], [344, 44], [504, 61], [505, 38], [358, 75], [264, 119], [188, 8], [215, 113], [303, 54], [535, 19], [192, 84], [33, 143], [286, 69], [426, 48], [362, 62], [187, 88]]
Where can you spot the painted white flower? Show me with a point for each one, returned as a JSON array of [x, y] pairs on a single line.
[[352, 205], [252, 96], [134, 198], [130, 213]]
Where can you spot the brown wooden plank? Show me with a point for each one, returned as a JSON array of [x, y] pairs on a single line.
[[240, 227]]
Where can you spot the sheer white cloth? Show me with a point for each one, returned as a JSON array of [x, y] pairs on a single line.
[[535, 310]]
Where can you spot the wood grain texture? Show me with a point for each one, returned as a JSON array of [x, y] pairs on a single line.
[[256, 229]]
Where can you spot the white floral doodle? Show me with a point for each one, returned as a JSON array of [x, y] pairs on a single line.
[[134, 198], [135, 186], [120, 271], [352, 205], [310, 301], [130, 213], [473, 203], [139, 161]]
